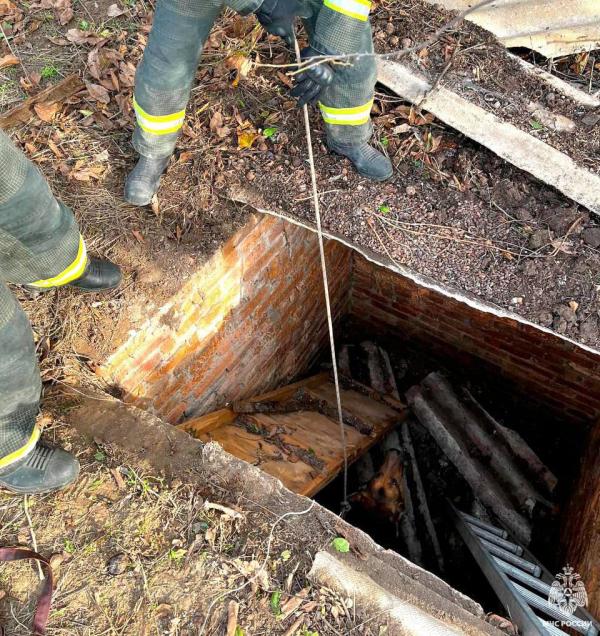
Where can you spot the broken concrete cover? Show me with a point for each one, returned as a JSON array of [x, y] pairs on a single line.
[[550, 27], [509, 142]]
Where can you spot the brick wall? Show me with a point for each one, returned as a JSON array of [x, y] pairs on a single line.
[[252, 318], [562, 375]]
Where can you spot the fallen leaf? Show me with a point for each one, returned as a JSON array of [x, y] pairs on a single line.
[[63, 10], [46, 111], [114, 11], [285, 79], [138, 236], [56, 151], [241, 64], [97, 92], [58, 41], [216, 125], [574, 305], [77, 36], [340, 544], [8, 60], [7, 8], [246, 138]]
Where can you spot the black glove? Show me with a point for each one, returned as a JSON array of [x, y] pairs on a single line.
[[277, 17], [311, 82]]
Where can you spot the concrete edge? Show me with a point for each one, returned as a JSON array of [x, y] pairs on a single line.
[[512, 144]]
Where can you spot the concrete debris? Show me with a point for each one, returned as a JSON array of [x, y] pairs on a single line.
[[550, 27], [509, 142]]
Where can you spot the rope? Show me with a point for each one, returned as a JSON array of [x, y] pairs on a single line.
[[345, 506]]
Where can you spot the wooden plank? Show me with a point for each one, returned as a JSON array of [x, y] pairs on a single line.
[[380, 415], [320, 435], [255, 449], [197, 425], [22, 113]]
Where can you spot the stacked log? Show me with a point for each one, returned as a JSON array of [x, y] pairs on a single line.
[[504, 474]]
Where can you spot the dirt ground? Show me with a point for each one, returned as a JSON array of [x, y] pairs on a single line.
[[136, 554]]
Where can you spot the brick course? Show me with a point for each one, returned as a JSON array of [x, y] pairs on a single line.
[[543, 366], [251, 319]]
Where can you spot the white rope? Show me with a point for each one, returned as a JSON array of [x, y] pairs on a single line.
[[315, 196]]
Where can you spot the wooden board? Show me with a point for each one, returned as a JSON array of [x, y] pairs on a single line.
[[378, 414], [256, 450], [302, 448]]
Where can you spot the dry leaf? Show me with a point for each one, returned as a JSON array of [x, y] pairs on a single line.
[[63, 10], [56, 151], [6, 8], [8, 60], [241, 64], [246, 138], [77, 36], [216, 126], [138, 236], [114, 11], [574, 305], [46, 111], [97, 92]]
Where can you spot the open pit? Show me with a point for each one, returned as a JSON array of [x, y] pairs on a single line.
[[251, 321]]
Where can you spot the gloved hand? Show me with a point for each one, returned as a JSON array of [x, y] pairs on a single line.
[[311, 82], [277, 17]]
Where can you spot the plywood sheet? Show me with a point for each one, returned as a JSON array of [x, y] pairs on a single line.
[[381, 416], [255, 449]]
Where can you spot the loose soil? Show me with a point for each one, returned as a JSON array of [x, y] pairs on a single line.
[[471, 62]]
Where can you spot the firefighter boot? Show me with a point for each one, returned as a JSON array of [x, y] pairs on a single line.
[[99, 275], [44, 469], [142, 182], [368, 162]]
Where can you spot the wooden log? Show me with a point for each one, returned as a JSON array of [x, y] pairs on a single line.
[[381, 375], [408, 526], [581, 529], [420, 495], [22, 113], [519, 448], [473, 470], [500, 460]]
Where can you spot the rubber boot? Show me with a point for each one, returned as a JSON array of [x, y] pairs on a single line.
[[368, 162], [142, 183], [46, 468], [99, 275]]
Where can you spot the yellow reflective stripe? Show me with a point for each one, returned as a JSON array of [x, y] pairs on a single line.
[[354, 116], [158, 124], [357, 9], [74, 271], [24, 450]]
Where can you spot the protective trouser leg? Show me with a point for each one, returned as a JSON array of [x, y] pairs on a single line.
[[346, 103], [20, 384], [166, 74], [40, 244]]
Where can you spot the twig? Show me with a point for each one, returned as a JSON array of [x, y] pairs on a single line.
[[260, 570], [33, 538], [232, 617], [224, 509]]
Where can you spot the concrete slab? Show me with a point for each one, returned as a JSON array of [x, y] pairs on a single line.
[[551, 27], [509, 142]]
